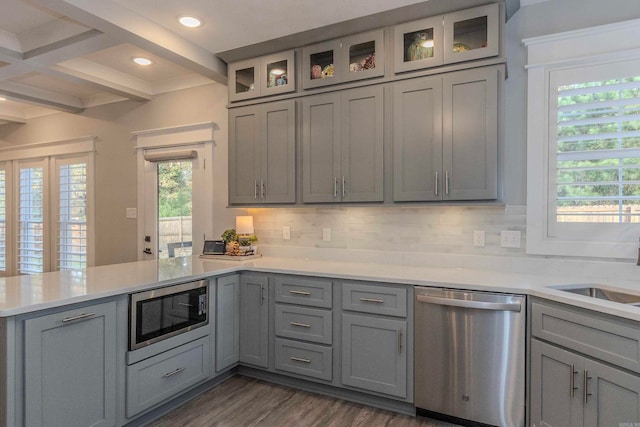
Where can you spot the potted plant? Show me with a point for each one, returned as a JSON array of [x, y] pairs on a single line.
[[229, 236]]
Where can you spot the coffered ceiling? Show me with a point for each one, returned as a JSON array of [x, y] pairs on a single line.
[[67, 55]]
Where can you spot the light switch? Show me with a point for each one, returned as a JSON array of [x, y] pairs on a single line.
[[478, 238], [286, 232], [132, 213]]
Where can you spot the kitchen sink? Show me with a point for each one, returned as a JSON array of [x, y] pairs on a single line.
[[604, 294]]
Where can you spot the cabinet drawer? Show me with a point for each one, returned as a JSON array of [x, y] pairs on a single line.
[[388, 300], [310, 360], [309, 324], [612, 340], [161, 377], [293, 290]]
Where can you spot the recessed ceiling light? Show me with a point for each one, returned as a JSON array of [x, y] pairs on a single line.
[[190, 21], [2, 98], [142, 61]]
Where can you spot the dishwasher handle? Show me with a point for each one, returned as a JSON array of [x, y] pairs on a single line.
[[480, 305]]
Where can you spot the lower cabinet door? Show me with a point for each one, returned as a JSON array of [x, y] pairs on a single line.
[[556, 386], [374, 354], [227, 322], [310, 360], [70, 368], [161, 377], [254, 320], [612, 396]]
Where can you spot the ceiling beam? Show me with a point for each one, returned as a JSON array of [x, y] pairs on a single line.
[[43, 97], [8, 114], [127, 26]]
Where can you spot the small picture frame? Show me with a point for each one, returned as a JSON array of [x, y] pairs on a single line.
[[213, 247]]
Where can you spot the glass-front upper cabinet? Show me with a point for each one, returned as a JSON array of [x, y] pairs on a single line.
[[264, 76], [321, 64], [363, 55], [356, 57], [418, 44], [472, 34]]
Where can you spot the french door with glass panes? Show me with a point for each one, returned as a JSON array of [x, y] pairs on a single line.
[[177, 194], [46, 214]]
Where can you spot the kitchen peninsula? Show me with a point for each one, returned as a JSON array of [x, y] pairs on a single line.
[[103, 292]]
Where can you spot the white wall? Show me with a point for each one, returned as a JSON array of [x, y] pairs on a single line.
[[116, 157]]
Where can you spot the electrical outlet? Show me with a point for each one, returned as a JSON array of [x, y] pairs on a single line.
[[326, 234], [478, 238], [132, 213], [510, 239], [286, 232]]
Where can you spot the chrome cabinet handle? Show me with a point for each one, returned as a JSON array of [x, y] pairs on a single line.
[[344, 183], [261, 294], [400, 341], [302, 325], [299, 359], [78, 317], [300, 293], [446, 182], [335, 187], [586, 386], [572, 381], [255, 189], [172, 373], [436, 185], [185, 304], [262, 190], [375, 300]]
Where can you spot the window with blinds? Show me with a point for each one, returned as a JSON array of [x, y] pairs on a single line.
[[31, 220], [72, 216], [598, 151]]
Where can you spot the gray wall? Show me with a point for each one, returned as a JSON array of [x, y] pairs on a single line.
[[116, 177]]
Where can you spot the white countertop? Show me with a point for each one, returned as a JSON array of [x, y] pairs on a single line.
[[25, 294]]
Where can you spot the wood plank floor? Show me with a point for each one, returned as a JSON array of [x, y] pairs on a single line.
[[241, 401]]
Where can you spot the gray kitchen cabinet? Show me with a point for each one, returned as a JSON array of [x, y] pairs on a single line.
[[446, 137], [342, 146], [571, 390], [254, 320], [227, 322], [262, 153], [268, 75], [70, 367], [374, 354]]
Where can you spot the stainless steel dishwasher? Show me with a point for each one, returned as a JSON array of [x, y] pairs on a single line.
[[470, 356]]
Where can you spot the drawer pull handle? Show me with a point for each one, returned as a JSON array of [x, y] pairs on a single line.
[[78, 317], [172, 373], [299, 293], [302, 325], [572, 381], [299, 359], [375, 300]]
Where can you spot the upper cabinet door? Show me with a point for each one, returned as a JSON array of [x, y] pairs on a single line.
[[278, 152], [472, 34], [363, 56], [321, 64], [244, 79], [278, 73], [418, 44], [470, 134], [244, 155]]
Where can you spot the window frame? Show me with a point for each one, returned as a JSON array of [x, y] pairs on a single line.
[[547, 57]]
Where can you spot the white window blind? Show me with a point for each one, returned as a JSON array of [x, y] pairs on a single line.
[[71, 239], [598, 151], [31, 220]]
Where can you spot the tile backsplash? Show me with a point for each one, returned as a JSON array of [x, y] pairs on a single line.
[[424, 229]]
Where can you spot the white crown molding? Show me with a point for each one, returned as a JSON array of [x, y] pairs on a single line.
[[83, 144]]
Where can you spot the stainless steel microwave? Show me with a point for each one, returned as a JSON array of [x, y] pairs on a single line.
[[166, 312]]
